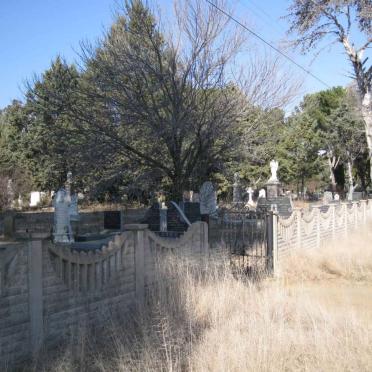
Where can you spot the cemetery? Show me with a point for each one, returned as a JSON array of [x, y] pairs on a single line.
[[64, 268], [182, 192]]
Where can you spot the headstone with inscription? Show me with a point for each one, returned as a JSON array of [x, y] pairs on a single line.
[[207, 199], [62, 231]]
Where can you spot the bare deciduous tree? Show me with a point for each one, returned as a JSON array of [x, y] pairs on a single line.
[[315, 20]]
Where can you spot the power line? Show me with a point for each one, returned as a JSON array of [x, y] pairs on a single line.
[[267, 43]]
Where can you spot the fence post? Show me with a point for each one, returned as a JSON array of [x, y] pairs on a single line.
[[333, 222], [318, 217], [298, 216], [139, 238], [272, 241], [275, 243], [204, 238], [355, 206], [35, 290], [346, 219]]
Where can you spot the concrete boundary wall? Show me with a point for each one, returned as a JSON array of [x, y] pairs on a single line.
[[48, 292], [317, 227]]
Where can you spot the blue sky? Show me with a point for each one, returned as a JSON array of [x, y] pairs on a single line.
[[34, 32]]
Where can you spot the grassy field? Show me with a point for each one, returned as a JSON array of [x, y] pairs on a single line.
[[315, 316]]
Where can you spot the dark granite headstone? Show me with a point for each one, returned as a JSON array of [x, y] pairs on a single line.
[[175, 222], [191, 210], [112, 220], [282, 203]]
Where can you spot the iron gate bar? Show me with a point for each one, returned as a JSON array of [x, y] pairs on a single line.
[[248, 236]]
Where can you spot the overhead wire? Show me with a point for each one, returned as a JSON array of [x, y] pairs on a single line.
[[267, 43]]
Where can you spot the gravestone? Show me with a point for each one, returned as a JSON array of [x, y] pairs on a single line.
[[195, 197], [337, 197], [327, 197], [250, 201], [163, 217], [282, 205], [237, 193], [273, 182], [35, 198], [191, 210], [208, 199], [10, 192], [62, 231], [262, 193], [112, 220], [73, 209], [175, 224]]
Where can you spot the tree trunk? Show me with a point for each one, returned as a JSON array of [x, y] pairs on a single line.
[[350, 179], [367, 116], [303, 187], [177, 188], [332, 175]]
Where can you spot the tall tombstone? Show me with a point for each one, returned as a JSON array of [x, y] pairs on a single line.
[[62, 231], [73, 208], [273, 183], [208, 200], [10, 193], [163, 211], [68, 182], [237, 192], [327, 197]]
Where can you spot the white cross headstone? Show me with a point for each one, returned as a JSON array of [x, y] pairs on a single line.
[[250, 197]]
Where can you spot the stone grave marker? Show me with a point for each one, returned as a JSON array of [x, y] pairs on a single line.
[[62, 231], [327, 197], [207, 198], [262, 193]]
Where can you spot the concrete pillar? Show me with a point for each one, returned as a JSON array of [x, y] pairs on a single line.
[[364, 205], [204, 238], [299, 235], [272, 241], [139, 240], [35, 285], [346, 219], [333, 221], [9, 227]]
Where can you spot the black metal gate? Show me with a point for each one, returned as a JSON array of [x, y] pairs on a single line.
[[247, 237]]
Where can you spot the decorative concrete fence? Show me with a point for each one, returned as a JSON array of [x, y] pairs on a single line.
[[48, 292], [316, 227]]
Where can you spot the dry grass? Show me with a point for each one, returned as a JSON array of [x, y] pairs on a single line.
[[209, 320]]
